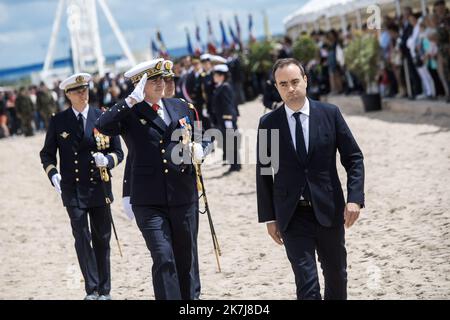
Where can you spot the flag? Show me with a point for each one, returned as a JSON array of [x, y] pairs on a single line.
[[198, 42], [233, 37], [155, 50], [238, 28], [266, 27], [225, 43], [189, 44], [162, 47], [211, 46], [251, 37]]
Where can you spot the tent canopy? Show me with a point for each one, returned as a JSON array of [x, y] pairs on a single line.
[[314, 10]]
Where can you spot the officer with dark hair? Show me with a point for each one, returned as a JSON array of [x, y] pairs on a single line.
[[82, 151]]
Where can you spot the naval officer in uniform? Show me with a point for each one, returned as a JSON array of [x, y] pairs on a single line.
[[163, 189], [82, 149], [226, 112]]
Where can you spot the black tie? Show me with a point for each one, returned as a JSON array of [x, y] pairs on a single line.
[[301, 148], [80, 131], [299, 138]]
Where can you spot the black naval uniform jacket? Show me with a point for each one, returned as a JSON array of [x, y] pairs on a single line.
[[81, 184], [153, 178], [224, 105]]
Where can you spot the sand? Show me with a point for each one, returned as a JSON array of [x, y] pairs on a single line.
[[398, 249]]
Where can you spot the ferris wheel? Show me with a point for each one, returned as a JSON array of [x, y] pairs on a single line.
[[82, 23]]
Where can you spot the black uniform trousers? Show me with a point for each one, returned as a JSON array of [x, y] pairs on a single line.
[[169, 233], [304, 237], [94, 260], [231, 145], [195, 270]]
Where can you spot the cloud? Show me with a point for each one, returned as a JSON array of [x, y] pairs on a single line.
[[26, 40], [3, 14]]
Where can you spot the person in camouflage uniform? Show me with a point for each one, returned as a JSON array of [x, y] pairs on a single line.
[[25, 109], [443, 30], [45, 104]]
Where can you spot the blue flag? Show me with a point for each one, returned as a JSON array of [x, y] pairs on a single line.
[[225, 43], [189, 43], [155, 49]]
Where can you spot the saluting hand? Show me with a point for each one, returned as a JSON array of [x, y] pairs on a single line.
[[138, 93], [351, 214], [274, 232]]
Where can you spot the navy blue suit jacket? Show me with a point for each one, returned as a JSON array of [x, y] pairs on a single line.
[[81, 184], [154, 179], [279, 194]]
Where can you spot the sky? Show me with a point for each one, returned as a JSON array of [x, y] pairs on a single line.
[[25, 25]]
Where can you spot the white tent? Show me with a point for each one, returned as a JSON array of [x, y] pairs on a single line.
[[314, 10]]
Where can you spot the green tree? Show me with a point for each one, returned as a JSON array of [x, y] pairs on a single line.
[[305, 49], [260, 56], [362, 57]]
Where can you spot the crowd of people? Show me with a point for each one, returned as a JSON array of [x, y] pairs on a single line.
[[416, 54], [414, 63]]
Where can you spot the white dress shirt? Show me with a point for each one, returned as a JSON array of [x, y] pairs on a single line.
[[304, 119], [84, 113], [162, 112]]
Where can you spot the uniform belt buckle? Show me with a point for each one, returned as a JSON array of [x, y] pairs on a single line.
[[304, 203]]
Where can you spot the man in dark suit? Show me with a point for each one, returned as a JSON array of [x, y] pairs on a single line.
[[298, 188], [81, 150], [163, 189]]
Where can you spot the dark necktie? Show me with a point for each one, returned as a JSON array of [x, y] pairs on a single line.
[[301, 148], [80, 130], [299, 138]]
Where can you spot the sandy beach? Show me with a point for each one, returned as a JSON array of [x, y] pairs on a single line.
[[399, 249]]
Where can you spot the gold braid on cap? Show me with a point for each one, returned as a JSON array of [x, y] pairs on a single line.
[[151, 72], [168, 70], [79, 82]]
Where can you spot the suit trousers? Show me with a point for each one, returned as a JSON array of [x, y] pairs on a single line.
[[94, 260], [169, 234], [304, 237]]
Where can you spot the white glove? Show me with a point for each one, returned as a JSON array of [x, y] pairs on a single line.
[[205, 113], [197, 152], [138, 93], [56, 180], [100, 159], [229, 124], [127, 207]]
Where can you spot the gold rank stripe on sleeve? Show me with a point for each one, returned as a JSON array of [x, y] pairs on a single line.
[[115, 158], [50, 167], [227, 117]]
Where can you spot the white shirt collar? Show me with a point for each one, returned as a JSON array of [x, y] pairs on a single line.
[[304, 110], [84, 113]]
